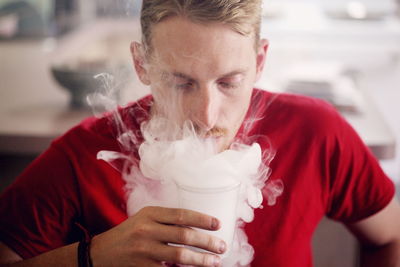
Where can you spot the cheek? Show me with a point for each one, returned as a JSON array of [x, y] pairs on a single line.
[[236, 109], [188, 105], [169, 103], [162, 91]]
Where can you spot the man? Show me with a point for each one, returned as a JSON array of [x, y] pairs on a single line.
[[211, 54]]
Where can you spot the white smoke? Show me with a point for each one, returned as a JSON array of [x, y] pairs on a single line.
[[171, 154]]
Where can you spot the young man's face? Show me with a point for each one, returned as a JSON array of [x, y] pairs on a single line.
[[202, 73]]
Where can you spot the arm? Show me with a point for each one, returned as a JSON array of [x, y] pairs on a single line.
[[141, 240], [65, 256], [379, 235]]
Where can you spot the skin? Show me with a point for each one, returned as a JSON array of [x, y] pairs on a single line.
[[142, 239], [379, 237], [208, 86], [139, 241], [214, 90]]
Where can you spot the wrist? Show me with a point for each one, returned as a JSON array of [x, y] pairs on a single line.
[[83, 253]]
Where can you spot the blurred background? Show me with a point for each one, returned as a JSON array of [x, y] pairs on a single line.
[[346, 52]]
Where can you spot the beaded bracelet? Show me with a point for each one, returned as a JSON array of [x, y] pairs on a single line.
[[84, 259]]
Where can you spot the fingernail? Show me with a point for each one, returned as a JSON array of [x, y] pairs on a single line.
[[217, 262], [222, 246], [214, 223]]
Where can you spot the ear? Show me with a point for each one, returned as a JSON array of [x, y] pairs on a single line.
[[139, 62], [261, 57]]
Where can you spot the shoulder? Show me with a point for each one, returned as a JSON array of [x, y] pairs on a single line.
[[297, 112], [286, 102], [307, 107]]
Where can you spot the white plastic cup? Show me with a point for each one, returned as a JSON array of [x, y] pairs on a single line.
[[218, 202]]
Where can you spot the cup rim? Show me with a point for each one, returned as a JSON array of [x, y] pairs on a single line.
[[208, 190]]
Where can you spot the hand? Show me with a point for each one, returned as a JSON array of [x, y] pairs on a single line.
[[142, 240]]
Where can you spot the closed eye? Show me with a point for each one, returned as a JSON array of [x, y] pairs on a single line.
[[183, 82], [231, 81], [226, 85], [184, 86]]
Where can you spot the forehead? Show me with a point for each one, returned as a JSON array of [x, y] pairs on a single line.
[[180, 44]]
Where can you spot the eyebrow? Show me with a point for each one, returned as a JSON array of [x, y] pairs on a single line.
[[233, 73], [187, 77], [182, 75]]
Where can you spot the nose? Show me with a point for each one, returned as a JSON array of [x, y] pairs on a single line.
[[207, 108]]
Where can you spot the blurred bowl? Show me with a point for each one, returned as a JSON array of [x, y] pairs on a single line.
[[80, 81]]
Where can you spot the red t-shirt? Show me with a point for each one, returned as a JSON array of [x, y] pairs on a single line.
[[324, 166]]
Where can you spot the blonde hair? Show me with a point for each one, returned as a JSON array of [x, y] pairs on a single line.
[[243, 16]]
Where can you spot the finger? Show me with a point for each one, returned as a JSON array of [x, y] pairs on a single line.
[[184, 217], [191, 237], [182, 255]]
